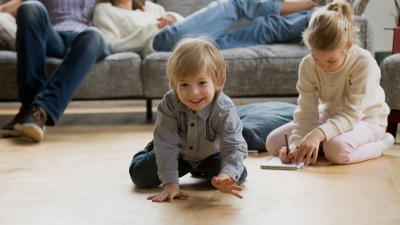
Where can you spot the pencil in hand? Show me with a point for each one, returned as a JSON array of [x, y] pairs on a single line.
[[287, 144]]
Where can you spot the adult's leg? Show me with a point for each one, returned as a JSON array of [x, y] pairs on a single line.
[[214, 19], [357, 145], [144, 171], [35, 36], [266, 30], [87, 48]]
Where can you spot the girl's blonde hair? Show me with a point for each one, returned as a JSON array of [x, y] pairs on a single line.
[[331, 27], [192, 56]]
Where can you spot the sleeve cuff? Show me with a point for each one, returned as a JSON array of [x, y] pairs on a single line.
[[329, 131], [169, 177], [232, 172], [294, 144], [176, 15]]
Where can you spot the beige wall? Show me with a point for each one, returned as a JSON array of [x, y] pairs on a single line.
[[379, 14]]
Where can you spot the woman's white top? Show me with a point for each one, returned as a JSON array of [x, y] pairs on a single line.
[[130, 31]]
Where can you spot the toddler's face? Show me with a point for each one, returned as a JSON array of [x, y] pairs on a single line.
[[196, 91], [329, 61]]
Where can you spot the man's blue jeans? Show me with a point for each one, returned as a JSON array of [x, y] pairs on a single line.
[[267, 26], [144, 171], [37, 39]]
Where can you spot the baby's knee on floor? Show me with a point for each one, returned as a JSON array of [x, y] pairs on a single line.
[[140, 178], [142, 173]]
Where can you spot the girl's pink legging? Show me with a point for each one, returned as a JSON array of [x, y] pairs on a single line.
[[357, 145]]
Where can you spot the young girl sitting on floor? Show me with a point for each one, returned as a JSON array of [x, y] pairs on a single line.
[[340, 100]]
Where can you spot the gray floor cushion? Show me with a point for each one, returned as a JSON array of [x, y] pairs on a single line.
[[259, 119]]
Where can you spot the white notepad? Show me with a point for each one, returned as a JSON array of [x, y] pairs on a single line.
[[276, 164]]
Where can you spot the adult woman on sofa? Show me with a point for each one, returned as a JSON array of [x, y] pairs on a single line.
[[145, 27]]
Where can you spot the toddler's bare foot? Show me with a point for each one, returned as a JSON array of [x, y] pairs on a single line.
[[289, 7]]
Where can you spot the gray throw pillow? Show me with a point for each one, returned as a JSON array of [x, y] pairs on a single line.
[[260, 119]]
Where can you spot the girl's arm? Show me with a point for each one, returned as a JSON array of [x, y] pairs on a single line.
[[306, 116], [363, 82]]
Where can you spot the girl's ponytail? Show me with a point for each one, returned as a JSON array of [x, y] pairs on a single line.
[[331, 27]]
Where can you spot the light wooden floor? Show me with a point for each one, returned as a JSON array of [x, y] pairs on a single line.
[[79, 175]]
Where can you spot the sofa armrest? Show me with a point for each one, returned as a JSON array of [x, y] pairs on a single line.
[[365, 36], [390, 80]]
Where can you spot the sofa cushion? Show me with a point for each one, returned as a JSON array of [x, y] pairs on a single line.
[[390, 81], [265, 70], [260, 119], [118, 76], [268, 70], [184, 8]]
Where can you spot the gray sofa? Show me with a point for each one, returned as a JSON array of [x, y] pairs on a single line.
[[390, 82], [258, 71]]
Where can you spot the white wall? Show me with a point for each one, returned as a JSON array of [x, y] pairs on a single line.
[[379, 14]]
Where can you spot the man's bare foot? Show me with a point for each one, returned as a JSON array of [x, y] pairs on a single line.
[[289, 7]]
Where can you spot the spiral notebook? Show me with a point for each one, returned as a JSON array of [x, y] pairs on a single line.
[[276, 164]]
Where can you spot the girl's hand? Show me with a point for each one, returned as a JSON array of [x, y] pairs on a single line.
[[309, 146], [166, 20], [170, 192], [287, 157], [226, 185]]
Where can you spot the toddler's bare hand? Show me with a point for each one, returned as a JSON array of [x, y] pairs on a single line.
[[227, 186], [170, 192]]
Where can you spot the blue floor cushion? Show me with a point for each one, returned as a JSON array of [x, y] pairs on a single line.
[[259, 119]]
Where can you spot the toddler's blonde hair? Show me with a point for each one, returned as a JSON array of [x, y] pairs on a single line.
[[192, 56], [331, 27]]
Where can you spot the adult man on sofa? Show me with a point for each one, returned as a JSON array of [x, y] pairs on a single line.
[[55, 28]]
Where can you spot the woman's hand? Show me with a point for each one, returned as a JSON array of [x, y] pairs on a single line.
[[166, 20], [225, 184], [170, 192], [309, 146], [287, 157]]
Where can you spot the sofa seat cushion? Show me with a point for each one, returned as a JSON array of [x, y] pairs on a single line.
[[118, 76], [260, 119], [266, 70]]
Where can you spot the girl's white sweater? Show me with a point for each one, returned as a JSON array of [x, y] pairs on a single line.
[[350, 94]]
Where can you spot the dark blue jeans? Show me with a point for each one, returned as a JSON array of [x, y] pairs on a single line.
[[144, 171], [267, 26], [36, 39]]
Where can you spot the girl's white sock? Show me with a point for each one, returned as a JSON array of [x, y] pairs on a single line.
[[387, 141]]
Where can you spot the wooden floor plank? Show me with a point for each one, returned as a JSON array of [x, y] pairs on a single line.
[[79, 175]]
